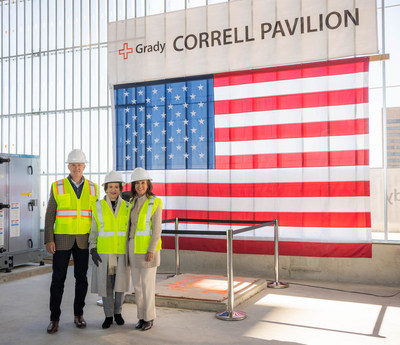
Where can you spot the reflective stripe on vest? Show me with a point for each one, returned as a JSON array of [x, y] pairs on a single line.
[[92, 188], [103, 233], [66, 213], [147, 231], [60, 187]]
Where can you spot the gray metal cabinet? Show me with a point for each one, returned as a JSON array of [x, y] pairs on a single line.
[[19, 210]]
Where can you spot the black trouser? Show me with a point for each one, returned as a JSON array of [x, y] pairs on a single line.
[[60, 266]]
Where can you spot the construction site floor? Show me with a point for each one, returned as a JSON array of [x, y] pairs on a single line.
[[312, 313]]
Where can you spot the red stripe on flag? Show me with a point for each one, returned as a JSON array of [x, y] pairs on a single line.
[[312, 249], [312, 70], [293, 160], [289, 219], [292, 130], [293, 101], [251, 190]]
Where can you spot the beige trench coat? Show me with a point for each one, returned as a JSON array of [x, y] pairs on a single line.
[[99, 274]]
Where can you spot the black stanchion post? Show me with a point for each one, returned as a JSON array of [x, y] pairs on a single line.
[[276, 284], [230, 314]]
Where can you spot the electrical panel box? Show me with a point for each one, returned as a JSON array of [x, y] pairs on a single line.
[[19, 210]]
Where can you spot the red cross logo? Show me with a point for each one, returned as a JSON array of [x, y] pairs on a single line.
[[125, 51]]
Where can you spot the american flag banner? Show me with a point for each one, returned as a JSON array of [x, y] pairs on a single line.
[[288, 142]]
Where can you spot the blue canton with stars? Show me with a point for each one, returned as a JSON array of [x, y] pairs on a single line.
[[167, 125]]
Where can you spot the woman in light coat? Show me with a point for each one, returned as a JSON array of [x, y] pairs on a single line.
[[107, 246], [144, 245]]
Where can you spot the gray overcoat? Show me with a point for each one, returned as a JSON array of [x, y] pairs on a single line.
[[99, 274]]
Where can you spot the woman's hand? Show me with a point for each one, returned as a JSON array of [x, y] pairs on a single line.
[[149, 256]]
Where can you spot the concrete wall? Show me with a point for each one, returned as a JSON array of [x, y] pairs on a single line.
[[382, 269]]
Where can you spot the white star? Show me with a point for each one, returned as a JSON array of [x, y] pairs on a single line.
[[184, 88], [201, 121], [200, 87], [142, 157], [156, 140], [186, 155], [178, 147], [155, 108], [185, 122], [171, 139], [128, 157], [193, 113], [163, 115], [134, 117], [148, 148], [127, 141], [170, 106], [201, 155], [141, 108], [141, 141], [178, 114], [171, 156], [134, 133], [133, 101], [201, 104], [169, 89], [135, 149], [148, 132], [194, 130], [185, 105], [126, 110], [156, 124], [164, 148], [148, 116], [141, 125], [155, 91], [156, 156], [140, 92], [126, 93], [201, 138], [163, 131], [162, 99], [177, 97], [186, 139], [192, 96], [194, 147], [171, 123], [128, 125], [147, 100], [178, 131]]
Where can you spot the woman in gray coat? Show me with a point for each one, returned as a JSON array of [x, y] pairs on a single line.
[[107, 246]]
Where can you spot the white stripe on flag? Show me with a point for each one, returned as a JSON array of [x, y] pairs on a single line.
[[294, 86], [293, 204], [305, 115], [318, 144]]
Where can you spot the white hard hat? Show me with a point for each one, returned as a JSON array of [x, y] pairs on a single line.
[[76, 156], [139, 174], [113, 176]]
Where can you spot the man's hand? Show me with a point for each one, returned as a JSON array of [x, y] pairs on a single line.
[[149, 256], [51, 247], [95, 256]]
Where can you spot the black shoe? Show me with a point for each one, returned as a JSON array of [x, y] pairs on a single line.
[[139, 324], [107, 322], [118, 319], [147, 325], [52, 327]]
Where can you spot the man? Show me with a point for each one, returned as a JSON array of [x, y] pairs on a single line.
[[67, 226]]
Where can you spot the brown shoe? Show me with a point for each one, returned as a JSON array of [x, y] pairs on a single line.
[[52, 327], [80, 321]]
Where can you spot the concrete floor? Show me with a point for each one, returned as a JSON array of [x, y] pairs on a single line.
[[301, 314]]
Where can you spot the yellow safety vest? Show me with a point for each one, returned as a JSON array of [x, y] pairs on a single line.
[[111, 238], [144, 226], [74, 216]]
